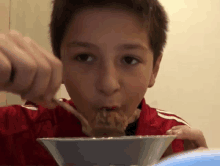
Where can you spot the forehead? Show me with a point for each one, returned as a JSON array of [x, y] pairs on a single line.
[[111, 10], [106, 24]]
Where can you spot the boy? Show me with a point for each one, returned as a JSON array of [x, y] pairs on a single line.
[[107, 53]]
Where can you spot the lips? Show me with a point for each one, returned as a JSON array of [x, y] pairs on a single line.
[[109, 108]]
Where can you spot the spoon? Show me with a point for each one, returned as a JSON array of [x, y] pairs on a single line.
[[85, 124], [86, 127]]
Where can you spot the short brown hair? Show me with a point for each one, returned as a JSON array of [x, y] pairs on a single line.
[[150, 10]]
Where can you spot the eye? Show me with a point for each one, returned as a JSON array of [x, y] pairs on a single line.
[[84, 57], [130, 60]]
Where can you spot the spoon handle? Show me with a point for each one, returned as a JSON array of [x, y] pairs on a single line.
[[73, 111]]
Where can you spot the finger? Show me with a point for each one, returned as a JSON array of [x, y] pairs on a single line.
[[42, 76], [179, 134], [177, 127], [170, 132], [45, 104], [56, 68], [55, 64], [182, 135], [174, 129], [35, 92], [21, 64], [42, 79], [5, 70]]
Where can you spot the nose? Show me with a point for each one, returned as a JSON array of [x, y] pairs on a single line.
[[107, 82]]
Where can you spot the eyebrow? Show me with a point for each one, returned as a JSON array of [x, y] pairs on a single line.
[[126, 46], [132, 46], [81, 44]]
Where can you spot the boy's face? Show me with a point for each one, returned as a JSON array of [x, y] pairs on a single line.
[[107, 61]]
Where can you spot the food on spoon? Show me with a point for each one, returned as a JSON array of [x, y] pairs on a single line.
[[109, 124], [112, 123], [106, 124]]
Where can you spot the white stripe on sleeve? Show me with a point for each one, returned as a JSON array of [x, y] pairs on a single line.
[[171, 117]]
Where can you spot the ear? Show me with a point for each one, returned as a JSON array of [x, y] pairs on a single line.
[[155, 72]]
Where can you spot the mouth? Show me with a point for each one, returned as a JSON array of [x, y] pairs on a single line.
[[109, 108], [109, 120], [110, 116]]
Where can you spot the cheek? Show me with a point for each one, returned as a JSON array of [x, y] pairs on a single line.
[[81, 94], [78, 85], [136, 89], [138, 83]]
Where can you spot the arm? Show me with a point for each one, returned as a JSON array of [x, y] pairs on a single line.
[[19, 128], [12, 122]]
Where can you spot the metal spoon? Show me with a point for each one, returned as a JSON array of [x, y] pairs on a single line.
[[85, 124]]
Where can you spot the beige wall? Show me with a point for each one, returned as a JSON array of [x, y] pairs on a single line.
[[4, 28], [31, 18], [4, 13], [188, 79]]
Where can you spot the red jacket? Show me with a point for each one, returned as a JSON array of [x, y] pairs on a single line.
[[20, 126]]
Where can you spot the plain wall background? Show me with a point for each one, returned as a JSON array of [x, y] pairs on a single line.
[[188, 80], [4, 27], [189, 77]]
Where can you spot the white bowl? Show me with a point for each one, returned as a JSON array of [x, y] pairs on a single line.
[[119, 151]]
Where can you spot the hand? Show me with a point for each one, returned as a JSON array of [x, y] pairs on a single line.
[[186, 133], [28, 70]]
